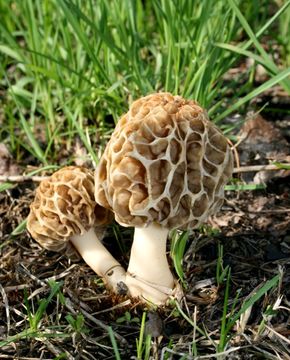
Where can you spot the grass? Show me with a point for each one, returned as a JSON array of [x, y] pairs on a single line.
[[98, 57], [36, 317], [69, 69]]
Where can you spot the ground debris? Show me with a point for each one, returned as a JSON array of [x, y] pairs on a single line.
[[8, 166], [261, 142], [253, 228]]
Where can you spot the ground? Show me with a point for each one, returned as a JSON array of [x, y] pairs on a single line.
[[250, 236]]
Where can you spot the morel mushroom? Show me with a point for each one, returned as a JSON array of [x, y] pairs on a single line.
[[164, 168], [64, 209]]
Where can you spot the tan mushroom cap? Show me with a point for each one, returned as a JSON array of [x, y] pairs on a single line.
[[64, 206], [165, 163]]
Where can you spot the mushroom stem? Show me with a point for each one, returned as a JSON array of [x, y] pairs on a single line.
[[100, 260], [148, 274]]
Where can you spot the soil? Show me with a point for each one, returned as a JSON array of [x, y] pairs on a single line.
[[254, 229]]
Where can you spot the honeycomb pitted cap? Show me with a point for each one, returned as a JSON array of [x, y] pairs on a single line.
[[64, 206], [165, 163]]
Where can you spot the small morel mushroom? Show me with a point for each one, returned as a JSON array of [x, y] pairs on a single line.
[[64, 210], [164, 168]]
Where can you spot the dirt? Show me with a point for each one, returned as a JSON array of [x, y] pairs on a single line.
[[254, 229]]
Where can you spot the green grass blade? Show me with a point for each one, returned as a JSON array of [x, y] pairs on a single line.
[[270, 22], [141, 337], [114, 343], [267, 85], [178, 245], [32, 334], [245, 187], [83, 136], [6, 186], [34, 144], [35, 148], [19, 228], [261, 292], [223, 333], [267, 60], [7, 50], [68, 8], [189, 320], [55, 287], [281, 165], [246, 53]]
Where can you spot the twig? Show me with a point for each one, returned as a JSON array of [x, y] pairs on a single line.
[[235, 153], [12, 357], [256, 168], [122, 304], [269, 211], [21, 178], [55, 351], [99, 323], [16, 287], [166, 350], [239, 169], [61, 275], [6, 304], [22, 269], [278, 334]]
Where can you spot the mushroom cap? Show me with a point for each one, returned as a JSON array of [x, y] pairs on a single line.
[[64, 206], [165, 163]]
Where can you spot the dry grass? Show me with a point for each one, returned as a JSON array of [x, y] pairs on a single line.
[[74, 324]]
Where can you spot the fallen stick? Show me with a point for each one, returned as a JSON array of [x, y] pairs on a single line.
[[240, 169], [256, 168], [21, 178]]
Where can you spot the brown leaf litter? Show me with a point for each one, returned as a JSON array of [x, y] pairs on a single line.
[[261, 142], [254, 229]]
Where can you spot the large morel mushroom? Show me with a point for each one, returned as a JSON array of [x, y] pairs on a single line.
[[164, 168], [64, 212]]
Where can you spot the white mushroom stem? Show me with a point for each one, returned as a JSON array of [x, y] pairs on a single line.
[[99, 259], [148, 274]]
